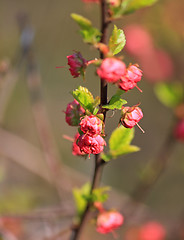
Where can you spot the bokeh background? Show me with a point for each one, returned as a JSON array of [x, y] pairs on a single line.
[[24, 189]]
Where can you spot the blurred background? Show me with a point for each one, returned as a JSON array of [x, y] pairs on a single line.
[[35, 194]]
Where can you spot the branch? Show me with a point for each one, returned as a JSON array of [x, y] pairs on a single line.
[[103, 100]]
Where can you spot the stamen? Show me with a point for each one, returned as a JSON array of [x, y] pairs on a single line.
[[138, 88], [140, 128], [115, 235], [68, 138]]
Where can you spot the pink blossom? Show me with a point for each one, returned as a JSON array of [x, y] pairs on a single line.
[[75, 148], [91, 125], [131, 116], [88, 144], [77, 64], [152, 231], [134, 73], [109, 221], [125, 84], [129, 80], [156, 63], [139, 41], [74, 112], [179, 130], [111, 70]]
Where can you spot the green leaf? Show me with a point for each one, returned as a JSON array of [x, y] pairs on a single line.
[[120, 136], [129, 6], [106, 156], [124, 149], [95, 105], [95, 111], [80, 201], [82, 21], [117, 40], [100, 194], [170, 94], [119, 143], [89, 33], [84, 97], [96, 101], [120, 92], [100, 116], [115, 103]]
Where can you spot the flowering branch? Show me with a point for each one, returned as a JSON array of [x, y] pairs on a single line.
[[89, 113], [99, 163]]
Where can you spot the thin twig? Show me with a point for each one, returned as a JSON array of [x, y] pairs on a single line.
[[31, 158], [45, 214]]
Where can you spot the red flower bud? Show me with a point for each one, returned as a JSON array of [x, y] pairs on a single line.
[[179, 130], [74, 112], [88, 144], [111, 70], [109, 221], [152, 231], [91, 125], [131, 116], [77, 64]]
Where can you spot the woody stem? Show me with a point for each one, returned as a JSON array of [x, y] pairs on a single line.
[[99, 163]]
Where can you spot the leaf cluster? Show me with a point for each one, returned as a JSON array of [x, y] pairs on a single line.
[[82, 196], [130, 6]]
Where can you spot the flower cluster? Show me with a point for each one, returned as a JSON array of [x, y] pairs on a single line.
[[91, 140], [114, 71], [91, 127]]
